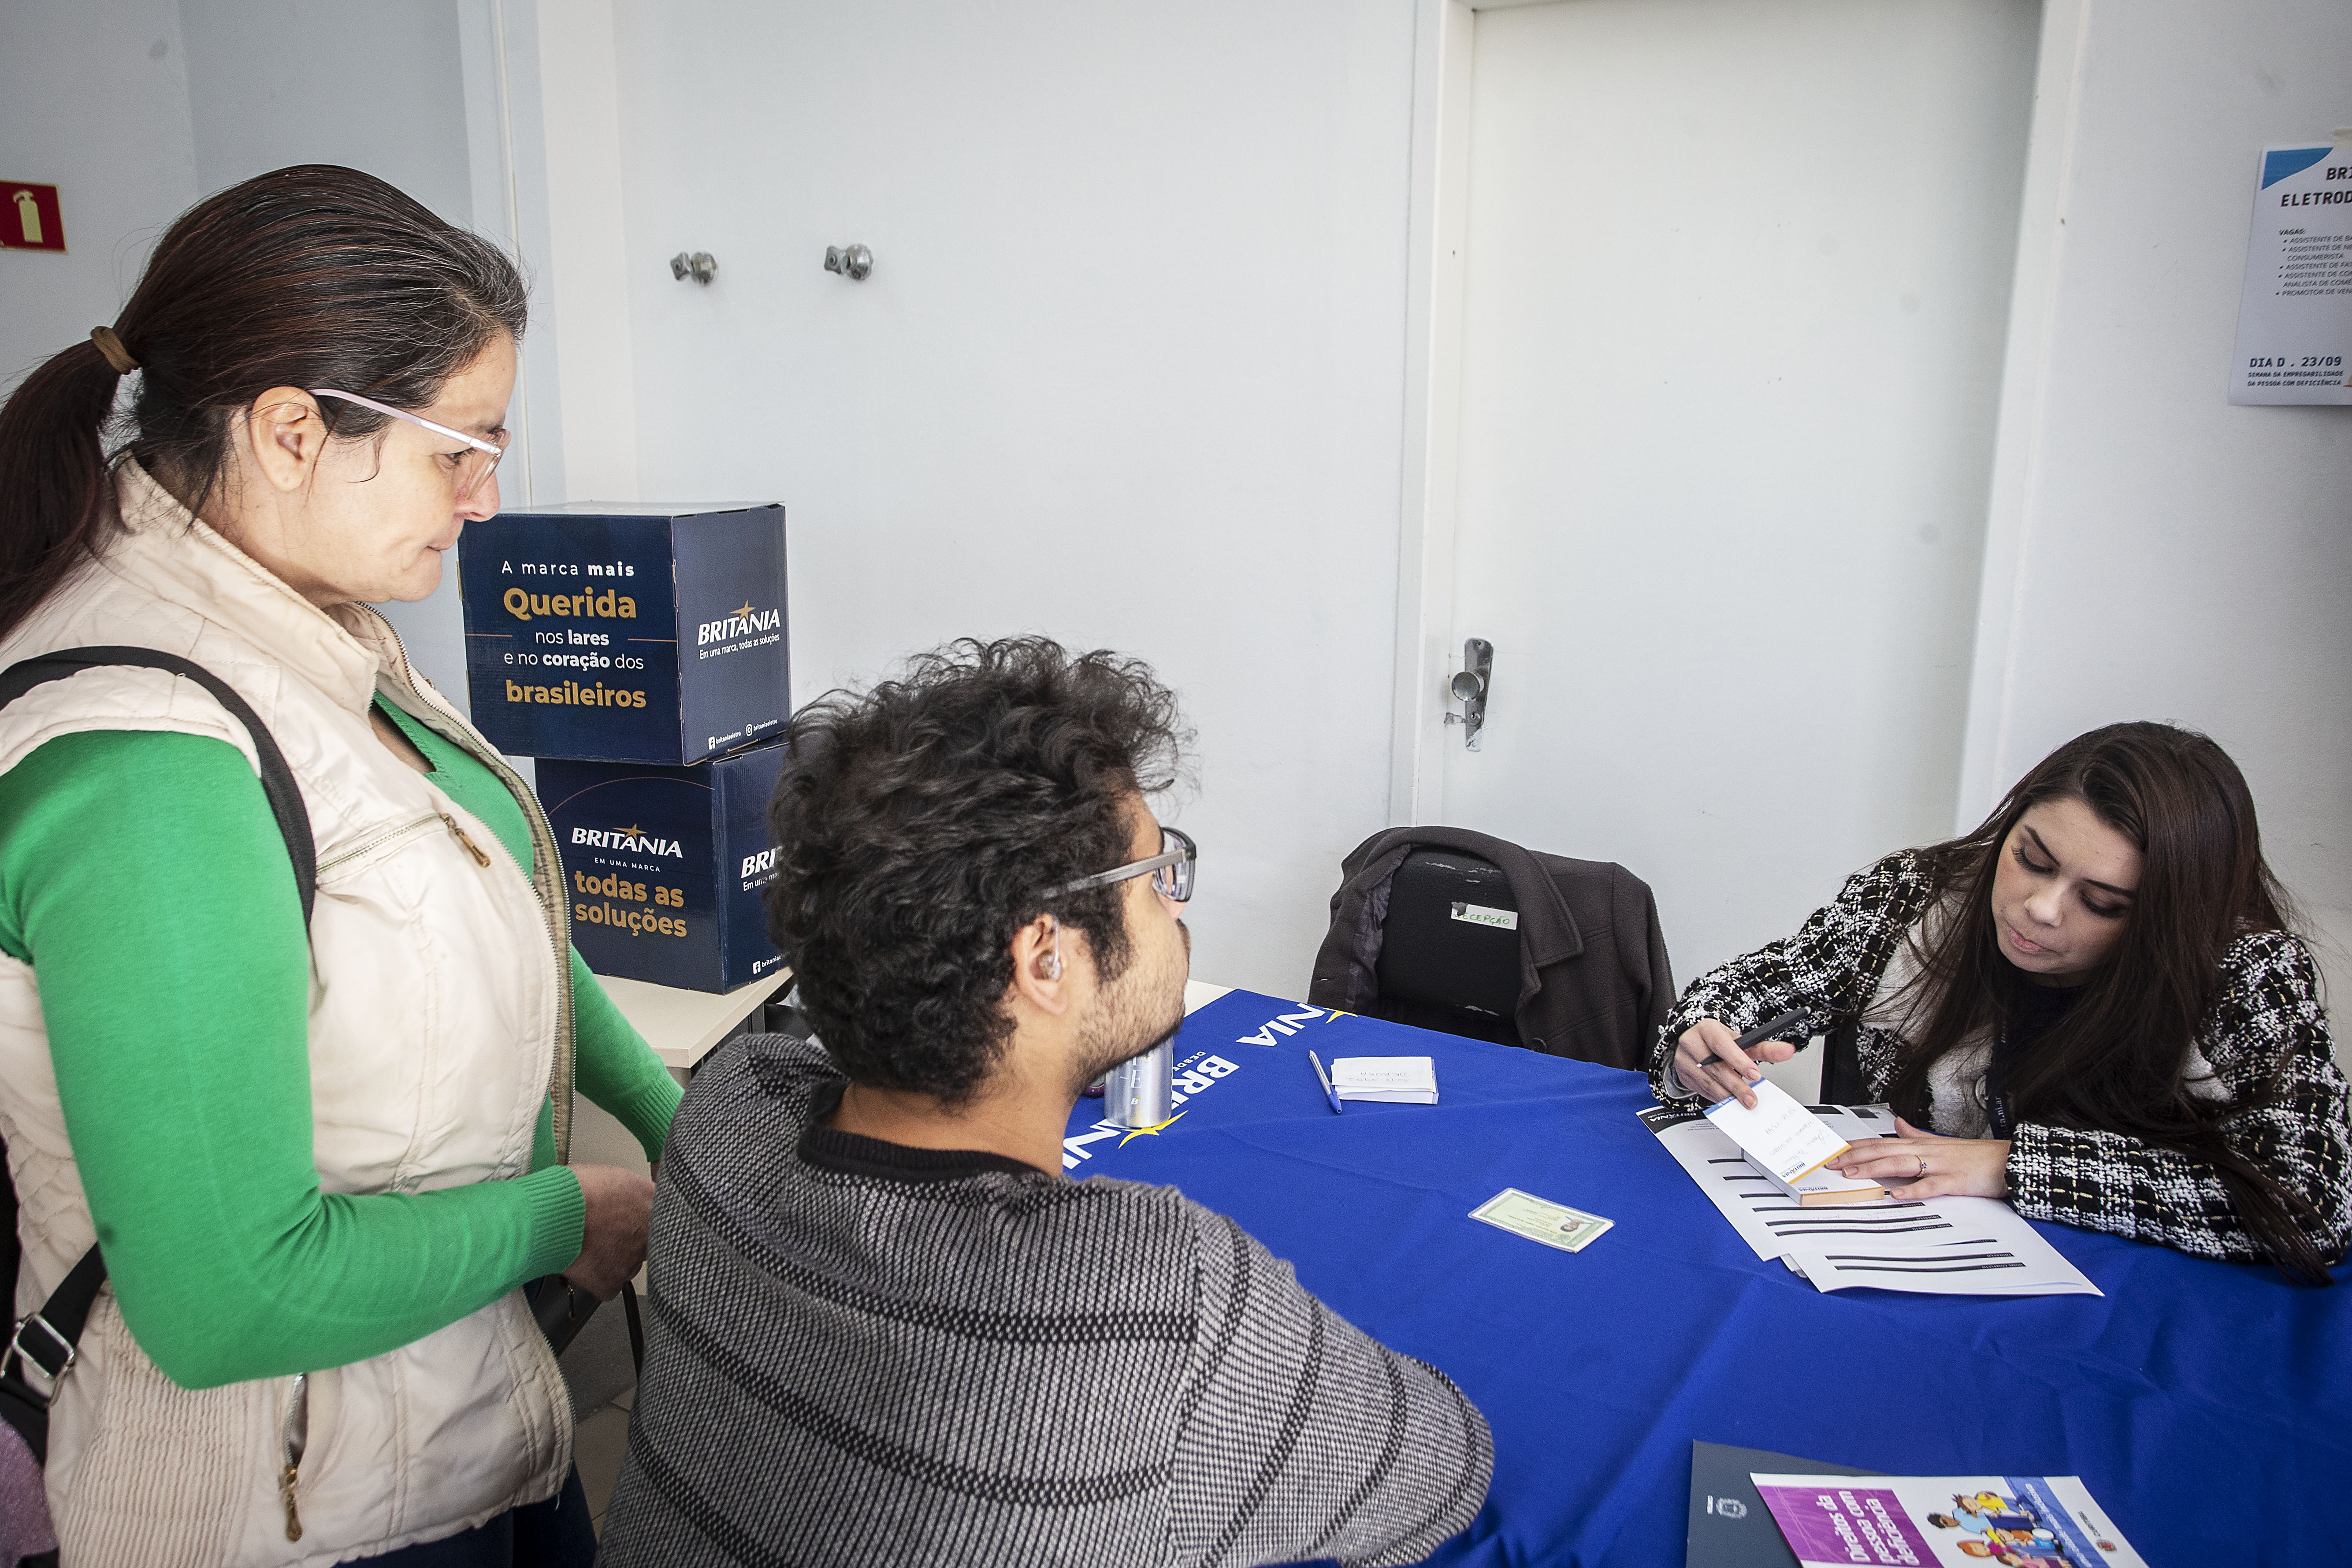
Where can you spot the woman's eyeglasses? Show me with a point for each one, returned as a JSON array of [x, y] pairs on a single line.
[[474, 466], [1170, 869]]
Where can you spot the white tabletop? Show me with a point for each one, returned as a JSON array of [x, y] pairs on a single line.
[[1199, 994], [683, 1026]]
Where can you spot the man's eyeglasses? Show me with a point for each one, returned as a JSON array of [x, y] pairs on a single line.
[[474, 466], [1170, 869]]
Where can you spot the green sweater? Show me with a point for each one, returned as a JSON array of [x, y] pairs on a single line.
[[143, 878]]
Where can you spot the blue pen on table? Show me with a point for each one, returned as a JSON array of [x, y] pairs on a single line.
[[1329, 1092]]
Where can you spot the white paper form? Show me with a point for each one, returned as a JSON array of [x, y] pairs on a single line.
[[1989, 1250], [1757, 1210], [1855, 1123], [2294, 314], [1848, 1243]]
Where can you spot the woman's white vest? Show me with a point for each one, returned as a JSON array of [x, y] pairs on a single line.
[[440, 1020]]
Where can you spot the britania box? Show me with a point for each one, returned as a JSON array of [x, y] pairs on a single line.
[[664, 865], [617, 632]]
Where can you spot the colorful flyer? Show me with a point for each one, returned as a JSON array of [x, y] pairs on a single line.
[[2295, 317], [1910, 1521]]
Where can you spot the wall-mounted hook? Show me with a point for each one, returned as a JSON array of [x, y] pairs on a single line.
[[852, 261], [701, 266]]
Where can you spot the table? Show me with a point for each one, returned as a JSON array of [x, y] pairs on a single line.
[[2208, 1407], [682, 1026]]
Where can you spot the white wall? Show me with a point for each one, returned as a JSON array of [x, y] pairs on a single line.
[[93, 99], [373, 87], [136, 108], [2168, 557], [584, 295], [1131, 371], [1128, 370]]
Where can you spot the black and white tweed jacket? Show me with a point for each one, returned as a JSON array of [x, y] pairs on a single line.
[[2267, 1016], [858, 1354]]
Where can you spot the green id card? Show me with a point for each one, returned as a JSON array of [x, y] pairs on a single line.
[[1554, 1225]]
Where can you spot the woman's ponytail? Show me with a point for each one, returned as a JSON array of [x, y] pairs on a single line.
[[56, 504], [314, 276]]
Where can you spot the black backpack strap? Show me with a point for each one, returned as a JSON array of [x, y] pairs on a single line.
[[636, 1327], [48, 1339], [276, 778]]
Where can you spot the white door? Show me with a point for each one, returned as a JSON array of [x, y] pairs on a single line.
[[1735, 278]]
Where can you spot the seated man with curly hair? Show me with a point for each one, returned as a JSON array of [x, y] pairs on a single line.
[[885, 1328]]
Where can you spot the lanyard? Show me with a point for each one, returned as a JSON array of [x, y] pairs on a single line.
[[1996, 1101]]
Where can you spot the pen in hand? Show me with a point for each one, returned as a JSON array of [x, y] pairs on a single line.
[[1329, 1092], [1766, 1031]]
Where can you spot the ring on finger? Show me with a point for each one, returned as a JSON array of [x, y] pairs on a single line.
[[1922, 1165]]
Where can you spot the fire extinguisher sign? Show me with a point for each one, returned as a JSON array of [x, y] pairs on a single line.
[[29, 218]]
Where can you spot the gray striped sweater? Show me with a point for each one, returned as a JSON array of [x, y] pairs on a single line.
[[863, 1353]]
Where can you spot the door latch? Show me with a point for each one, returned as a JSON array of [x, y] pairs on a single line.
[[1472, 684]]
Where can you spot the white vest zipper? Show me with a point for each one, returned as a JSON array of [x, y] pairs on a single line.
[[295, 1437]]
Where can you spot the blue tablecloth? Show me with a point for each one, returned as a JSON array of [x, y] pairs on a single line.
[[2208, 1407]]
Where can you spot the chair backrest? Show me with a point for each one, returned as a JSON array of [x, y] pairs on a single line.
[[1449, 956], [1842, 1079]]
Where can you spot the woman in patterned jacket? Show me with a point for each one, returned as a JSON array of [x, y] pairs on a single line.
[[2094, 1001]]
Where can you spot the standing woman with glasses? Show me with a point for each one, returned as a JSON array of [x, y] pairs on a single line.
[[318, 1164]]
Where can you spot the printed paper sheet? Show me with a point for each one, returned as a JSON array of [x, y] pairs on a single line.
[[1945, 1247]]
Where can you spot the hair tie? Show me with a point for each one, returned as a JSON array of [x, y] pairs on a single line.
[[112, 347]]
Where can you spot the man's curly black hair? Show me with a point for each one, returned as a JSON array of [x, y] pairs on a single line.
[[919, 825]]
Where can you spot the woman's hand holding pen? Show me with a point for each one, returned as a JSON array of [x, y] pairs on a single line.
[[1710, 1062], [1917, 1164]]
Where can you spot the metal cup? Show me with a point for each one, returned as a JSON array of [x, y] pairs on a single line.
[[1137, 1092]]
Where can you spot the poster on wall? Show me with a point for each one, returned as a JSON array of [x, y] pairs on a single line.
[[2295, 318]]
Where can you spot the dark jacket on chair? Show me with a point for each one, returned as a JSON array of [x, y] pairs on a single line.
[[1595, 980]]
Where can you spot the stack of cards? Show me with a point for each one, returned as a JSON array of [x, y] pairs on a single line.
[[1780, 1137], [1855, 1124], [1398, 1080]]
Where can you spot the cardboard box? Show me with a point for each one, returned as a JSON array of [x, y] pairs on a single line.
[[666, 864], [627, 633]]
